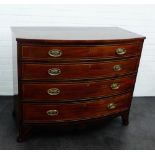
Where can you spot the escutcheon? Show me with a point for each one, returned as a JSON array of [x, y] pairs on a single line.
[[54, 71], [111, 106], [55, 53], [117, 68], [52, 112], [53, 91], [115, 86], [120, 51]]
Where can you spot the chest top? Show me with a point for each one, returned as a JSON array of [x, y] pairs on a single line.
[[74, 34]]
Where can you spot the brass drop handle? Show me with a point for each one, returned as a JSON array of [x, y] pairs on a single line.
[[53, 91], [54, 71], [52, 112], [120, 51], [111, 106], [55, 53], [117, 68], [115, 86]]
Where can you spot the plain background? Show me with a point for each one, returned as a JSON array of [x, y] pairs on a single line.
[[136, 18]]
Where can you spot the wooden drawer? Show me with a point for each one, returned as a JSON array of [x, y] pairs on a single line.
[[79, 52], [75, 111], [78, 71], [76, 90]]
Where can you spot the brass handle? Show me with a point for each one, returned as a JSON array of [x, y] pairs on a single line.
[[52, 112], [120, 51], [111, 106], [117, 68], [54, 71], [115, 86], [55, 53], [53, 91]]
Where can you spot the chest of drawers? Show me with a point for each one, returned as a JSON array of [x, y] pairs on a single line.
[[68, 75]]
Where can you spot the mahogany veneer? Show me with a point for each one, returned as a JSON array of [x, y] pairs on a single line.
[[76, 90], [72, 74], [79, 71], [82, 52], [82, 110]]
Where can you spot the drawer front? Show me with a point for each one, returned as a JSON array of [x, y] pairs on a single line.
[[82, 110], [78, 71], [79, 52], [76, 91]]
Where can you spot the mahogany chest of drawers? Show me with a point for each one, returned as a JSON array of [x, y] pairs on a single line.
[[71, 74]]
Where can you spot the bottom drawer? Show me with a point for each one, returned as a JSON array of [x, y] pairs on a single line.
[[40, 113]]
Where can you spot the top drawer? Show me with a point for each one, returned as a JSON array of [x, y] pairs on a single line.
[[35, 52]]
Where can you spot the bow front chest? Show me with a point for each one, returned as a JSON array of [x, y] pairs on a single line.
[[73, 75]]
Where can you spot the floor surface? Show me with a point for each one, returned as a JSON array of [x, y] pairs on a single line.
[[138, 135]]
